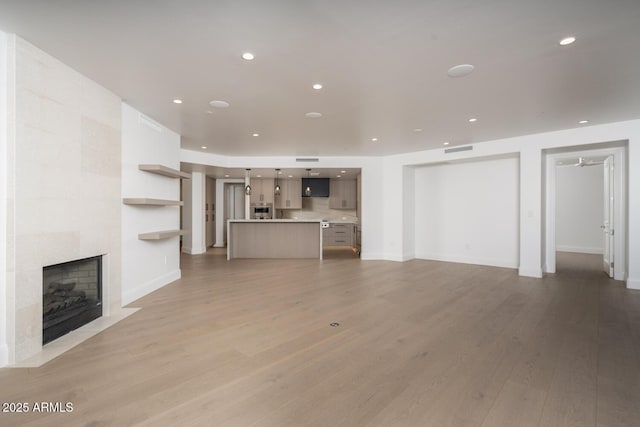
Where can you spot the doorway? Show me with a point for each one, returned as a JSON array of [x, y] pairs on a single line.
[[585, 208]]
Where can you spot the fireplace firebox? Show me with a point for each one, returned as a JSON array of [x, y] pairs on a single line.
[[71, 296]]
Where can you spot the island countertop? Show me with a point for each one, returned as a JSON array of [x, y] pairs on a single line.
[[274, 238], [275, 220]]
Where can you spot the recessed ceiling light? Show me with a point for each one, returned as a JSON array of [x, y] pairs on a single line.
[[343, 171], [338, 176], [374, 139], [317, 86], [248, 56], [258, 176], [417, 130], [582, 122], [460, 70], [567, 41], [279, 172], [256, 134], [313, 115], [219, 104], [445, 143], [290, 176], [473, 119], [226, 176], [204, 147], [177, 101]]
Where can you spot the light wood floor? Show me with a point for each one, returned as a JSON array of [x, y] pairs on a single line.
[[420, 343]]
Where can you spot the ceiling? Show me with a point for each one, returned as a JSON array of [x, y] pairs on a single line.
[[383, 67]]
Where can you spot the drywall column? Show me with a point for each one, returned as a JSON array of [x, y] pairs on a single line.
[[633, 254], [393, 207], [193, 213], [4, 89], [530, 212], [198, 187], [408, 213]]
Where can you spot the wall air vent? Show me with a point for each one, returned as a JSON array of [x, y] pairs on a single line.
[[456, 149], [307, 159], [142, 119]]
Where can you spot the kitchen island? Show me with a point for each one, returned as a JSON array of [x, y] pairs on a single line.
[[274, 238]]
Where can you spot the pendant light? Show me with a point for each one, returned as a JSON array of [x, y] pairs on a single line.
[[276, 191], [247, 188], [307, 189]]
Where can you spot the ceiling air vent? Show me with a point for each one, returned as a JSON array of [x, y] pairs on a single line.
[[307, 159], [142, 119], [456, 149]]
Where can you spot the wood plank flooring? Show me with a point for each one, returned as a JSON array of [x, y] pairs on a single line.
[[421, 343]]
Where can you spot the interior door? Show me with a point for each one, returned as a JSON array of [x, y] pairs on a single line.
[[608, 226]]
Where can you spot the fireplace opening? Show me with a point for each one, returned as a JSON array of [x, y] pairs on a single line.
[[71, 296]]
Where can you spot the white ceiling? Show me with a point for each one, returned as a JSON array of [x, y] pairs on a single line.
[[383, 66]]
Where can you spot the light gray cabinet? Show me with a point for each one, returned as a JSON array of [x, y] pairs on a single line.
[[290, 194], [339, 234], [342, 194], [262, 190]]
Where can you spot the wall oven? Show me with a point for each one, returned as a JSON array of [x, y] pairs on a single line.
[[264, 211]]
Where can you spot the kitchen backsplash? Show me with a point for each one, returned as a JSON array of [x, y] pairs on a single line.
[[317, 208]]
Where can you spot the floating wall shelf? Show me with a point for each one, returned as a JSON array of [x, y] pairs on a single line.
[[164, 171], [151, 202], [159, 235]]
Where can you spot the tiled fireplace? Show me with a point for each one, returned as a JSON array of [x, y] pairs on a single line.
[[63, 195]]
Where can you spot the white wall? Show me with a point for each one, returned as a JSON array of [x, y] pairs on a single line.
[[530, 148], [579, 209], [4, 89], [468, 212], [148, 265], [633, 202], [64, 183]]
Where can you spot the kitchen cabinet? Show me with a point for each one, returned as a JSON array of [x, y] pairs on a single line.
[[262, 190], [342, 194], [290, 194], [339, 234]]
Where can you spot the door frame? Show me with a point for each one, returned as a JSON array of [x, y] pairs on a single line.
[[619, 207]]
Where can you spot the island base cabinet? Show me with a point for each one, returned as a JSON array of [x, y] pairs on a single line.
[[271, 239]]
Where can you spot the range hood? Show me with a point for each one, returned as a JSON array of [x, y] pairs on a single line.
[[319, 187]]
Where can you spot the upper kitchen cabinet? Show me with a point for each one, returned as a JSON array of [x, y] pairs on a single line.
[[343, 194], [290, 194], [262, 190]]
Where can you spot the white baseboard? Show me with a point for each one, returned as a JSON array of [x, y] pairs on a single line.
[[530, 272], [580, 249], [396, 258], [633, 284], [371, 256], [467, 260], [193, 251], [131, 295], [4, 355]]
